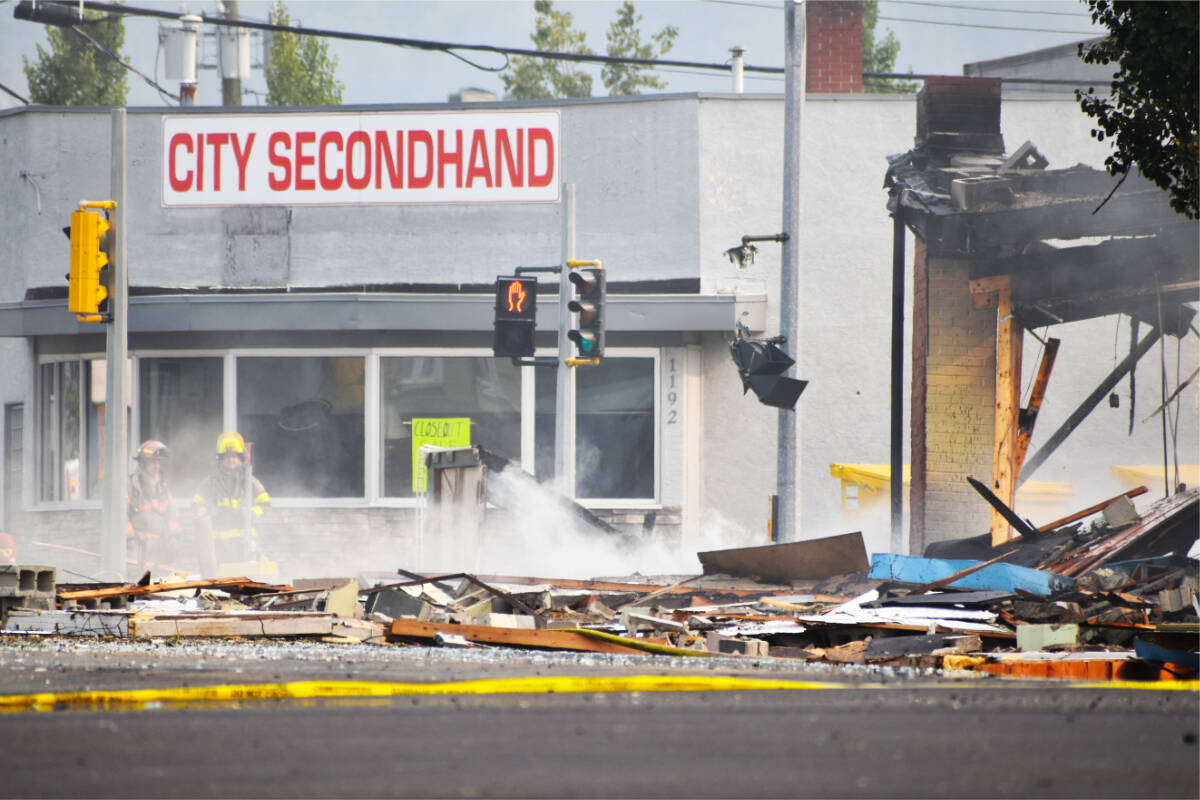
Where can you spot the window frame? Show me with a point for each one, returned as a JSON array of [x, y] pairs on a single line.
[[39, 450], [372, 409]]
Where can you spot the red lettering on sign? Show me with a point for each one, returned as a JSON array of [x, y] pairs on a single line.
[[216, 141], [279, 184], [450, 157], [199, 162], [358, 137], [504, 148], [422, 181], [540, 135], [185, 183], [302, 138], [477, 162], [329, 184], [242, 157], [383, 155]]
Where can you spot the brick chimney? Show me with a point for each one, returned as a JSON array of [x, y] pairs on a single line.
[[834, 46]]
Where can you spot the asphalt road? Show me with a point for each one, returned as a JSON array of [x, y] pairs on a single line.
[[880, 735]]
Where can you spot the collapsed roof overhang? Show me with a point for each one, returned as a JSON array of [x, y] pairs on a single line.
[[1075, 243]]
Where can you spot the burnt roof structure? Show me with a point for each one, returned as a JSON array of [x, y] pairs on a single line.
[[1041, 246]]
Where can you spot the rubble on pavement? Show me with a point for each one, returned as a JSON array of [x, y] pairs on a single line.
[[1113, 598]]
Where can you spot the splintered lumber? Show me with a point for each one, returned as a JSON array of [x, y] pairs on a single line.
[[237, 584], [1087, 512], [514, 637], [1028, 417], [1005, 467]]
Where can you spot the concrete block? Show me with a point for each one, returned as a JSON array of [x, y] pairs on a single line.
[[1120, 512], [971, 193], [17, 579], [1039, 637], [755, 648]]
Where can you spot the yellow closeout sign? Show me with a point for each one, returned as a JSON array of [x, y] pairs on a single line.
[[444, 432]]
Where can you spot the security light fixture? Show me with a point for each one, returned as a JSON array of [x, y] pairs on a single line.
[[761, 364], [743, 254]]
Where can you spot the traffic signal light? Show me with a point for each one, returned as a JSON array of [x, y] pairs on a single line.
[[87, 291], [589, 305], [761, 365], [516, 316]]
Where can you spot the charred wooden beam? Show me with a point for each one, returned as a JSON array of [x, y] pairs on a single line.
[[1085, 408]]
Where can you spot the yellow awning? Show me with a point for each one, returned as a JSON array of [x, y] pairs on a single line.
[[878, 477], [1152, 474]]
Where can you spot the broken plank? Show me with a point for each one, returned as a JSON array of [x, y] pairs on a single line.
[[513, 637], [1087, 512], [1028, 417], [241, 584]]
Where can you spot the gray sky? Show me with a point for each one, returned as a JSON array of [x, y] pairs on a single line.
[[376, 73]]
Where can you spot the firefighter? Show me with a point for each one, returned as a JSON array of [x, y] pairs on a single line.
[[227, 505], [152, 530]]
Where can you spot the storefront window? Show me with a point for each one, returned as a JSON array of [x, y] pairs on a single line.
[[614, 429], [62, 475], [304, 416], [485, 390], [180, 404]]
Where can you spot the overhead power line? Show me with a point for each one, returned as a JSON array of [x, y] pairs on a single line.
[[988, 27], [772, 7], [1002, 9], [420, 44]]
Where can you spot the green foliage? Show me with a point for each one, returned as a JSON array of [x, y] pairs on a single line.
[[74, 72], [300, 71], [1150, 111], [880, 56], [625, 40], [530, 78]]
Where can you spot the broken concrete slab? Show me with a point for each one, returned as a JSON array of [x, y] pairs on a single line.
[[68, 623], [813, 559]]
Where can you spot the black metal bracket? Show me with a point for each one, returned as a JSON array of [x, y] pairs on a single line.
[[546, 361], [774, 237], [524, 270]]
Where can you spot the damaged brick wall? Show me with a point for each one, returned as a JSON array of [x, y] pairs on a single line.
[[953, 402], [833, 47]]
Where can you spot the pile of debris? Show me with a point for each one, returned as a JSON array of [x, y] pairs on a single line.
[[1115, 599]]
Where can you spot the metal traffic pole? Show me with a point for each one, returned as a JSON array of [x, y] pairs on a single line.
[[786, 468], [564, 420], [116, 437]]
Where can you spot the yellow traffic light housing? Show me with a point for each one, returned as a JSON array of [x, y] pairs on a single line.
[[87, 290]]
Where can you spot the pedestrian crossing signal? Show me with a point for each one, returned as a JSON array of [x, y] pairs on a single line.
[[516, 317]]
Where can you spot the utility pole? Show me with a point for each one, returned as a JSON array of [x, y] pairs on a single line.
[[230, 57], [564, 419], [786, 468], [116, 437]]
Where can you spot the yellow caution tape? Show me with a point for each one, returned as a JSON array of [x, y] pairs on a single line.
[[637, 644], [316, 690], [308, 690]]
